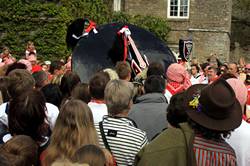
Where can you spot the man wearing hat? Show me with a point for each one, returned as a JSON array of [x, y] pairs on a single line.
[[213, 112]]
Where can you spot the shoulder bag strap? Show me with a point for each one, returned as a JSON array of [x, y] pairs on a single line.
[[104, 137], [191, 161]]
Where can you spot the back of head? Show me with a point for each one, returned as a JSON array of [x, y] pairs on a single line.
[[21, 150], [81, 91], [155, 68], [20, 80], [66, 162], [76, 118], [112, 73], [40, 78], [154, 84], [118, 95], [226, 76], [55, 65], [52, 94], [15, 66], [178, 74], [97, 85], [68, 82], [90, 154], [123, 70], [240, 90], [26, 63], [27, 115], [213, 115], [176, 112]]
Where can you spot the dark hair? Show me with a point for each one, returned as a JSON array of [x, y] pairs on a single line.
[[15, 66], [196, 66], [204, 65], [4, 89], [40, 77], [123, 69], [27, 115], [226, 76], [55, 65], [32, 53], [90, 154], [68, 82], [213, 68], [247, 81], [97, 85], [138, 90], [81, 91], [52, 94], [208, 133], [155, 68], [154, 84], [175, 111], [224, 65], [21, 150], [220, 72]]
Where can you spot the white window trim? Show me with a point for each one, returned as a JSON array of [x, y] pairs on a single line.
[[117, 5], [178, 17]]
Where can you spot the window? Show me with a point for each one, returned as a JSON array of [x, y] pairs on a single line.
[[117, 5], [178, 8]]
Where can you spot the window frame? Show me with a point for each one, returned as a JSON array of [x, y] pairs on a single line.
[[178, 10], [117, 5]]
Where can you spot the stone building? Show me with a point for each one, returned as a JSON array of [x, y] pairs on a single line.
[[240, 32], [206, 22]]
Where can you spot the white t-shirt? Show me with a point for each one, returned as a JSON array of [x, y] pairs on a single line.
[[98, 111], [52, 114], [240, 142], [196, 80]]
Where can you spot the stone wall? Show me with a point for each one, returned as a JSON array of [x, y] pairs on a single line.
[[240, 33], [209, 24]]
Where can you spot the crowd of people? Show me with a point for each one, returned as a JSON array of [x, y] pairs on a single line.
[[196, 114]]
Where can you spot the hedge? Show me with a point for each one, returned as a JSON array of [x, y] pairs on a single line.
[[45, 23]]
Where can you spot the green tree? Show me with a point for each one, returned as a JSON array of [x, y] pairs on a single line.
[[42, 23]]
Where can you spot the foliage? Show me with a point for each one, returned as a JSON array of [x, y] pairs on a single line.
[[96, 10], [42, 23], [45, 23], [158, 26]]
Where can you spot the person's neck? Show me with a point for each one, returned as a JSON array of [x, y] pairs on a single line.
[[195, 75], [99, 101], [121, 115]]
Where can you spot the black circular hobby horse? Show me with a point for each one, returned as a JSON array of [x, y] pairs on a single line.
[[96, 51]]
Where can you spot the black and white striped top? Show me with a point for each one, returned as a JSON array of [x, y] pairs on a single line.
[[124, 139]]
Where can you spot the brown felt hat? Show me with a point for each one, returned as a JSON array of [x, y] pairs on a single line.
[[214, 106]]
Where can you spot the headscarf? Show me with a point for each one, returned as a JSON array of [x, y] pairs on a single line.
[[178, 74], [240, 90]]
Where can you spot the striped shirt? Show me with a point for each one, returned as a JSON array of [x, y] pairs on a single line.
[[213, 153], [124, 139]]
